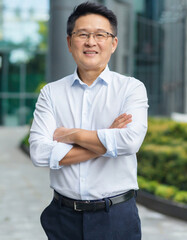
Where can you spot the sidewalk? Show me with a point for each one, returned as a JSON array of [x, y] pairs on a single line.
[[25, 192]]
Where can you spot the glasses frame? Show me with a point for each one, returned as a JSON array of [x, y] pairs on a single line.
[[94, 35]]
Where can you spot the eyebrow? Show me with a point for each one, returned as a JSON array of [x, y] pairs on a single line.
[[86, 30]]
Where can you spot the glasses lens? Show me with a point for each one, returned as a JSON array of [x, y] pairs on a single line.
[[101, 36], [98, 36], [81, 35]]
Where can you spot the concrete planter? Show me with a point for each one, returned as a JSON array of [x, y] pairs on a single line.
[[163, 206]]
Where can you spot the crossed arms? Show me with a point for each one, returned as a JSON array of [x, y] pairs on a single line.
[[49, 145], [86, 144]]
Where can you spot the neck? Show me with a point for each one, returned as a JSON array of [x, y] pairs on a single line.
[[89, 76]]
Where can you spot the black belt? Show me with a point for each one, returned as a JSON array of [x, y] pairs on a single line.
[[93, 205]]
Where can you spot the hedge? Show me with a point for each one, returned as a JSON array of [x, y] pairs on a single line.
[[163, 155], [162, 190]]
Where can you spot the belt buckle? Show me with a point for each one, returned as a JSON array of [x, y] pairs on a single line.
[[75, 207]]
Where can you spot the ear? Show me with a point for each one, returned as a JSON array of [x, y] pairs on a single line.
[[69, 43], [114, 44]]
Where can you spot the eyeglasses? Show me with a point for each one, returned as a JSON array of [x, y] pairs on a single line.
[[98, 36]]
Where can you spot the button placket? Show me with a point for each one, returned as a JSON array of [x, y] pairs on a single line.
[[85, 125], [85, 110]]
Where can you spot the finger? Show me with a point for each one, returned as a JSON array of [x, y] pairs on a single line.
[[124, 123], [121, 116], [127, 122], [124, 119], [120, 120], [127, 116]]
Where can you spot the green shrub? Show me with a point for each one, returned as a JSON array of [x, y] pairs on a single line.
[[143, 184], [181, 196], [163, 155], [149, 186], [167, 192], [161, 190], [40, 86], [25, 141], [164, 163], [177, 130], [152, 186], [165, 131]]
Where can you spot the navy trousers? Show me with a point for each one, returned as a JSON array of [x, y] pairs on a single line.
[[121, 222]]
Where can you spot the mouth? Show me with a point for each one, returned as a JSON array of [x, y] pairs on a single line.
[[90, 52]]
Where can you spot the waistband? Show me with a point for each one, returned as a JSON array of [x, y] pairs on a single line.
[[93, 205]]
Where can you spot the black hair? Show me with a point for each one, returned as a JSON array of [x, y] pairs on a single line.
[[91, 8]]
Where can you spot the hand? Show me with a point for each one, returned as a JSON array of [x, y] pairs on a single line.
[[65, 135], [122, 121]]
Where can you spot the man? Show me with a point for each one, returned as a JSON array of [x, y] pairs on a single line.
[[87, 128]]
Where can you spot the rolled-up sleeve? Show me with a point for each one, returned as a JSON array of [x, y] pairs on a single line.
[[127, 141], [45, 152], [108, 139], [58, 152]]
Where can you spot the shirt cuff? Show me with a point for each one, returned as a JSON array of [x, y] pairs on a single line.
[[58, 152], [107, 138]]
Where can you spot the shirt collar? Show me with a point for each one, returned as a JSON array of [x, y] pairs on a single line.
[[104, 77]]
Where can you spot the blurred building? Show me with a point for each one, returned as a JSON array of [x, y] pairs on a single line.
[[162, 45], [22, 58], [174, 66], [152, 44]]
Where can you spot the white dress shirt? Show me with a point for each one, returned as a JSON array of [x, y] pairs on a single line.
[[71, 103]]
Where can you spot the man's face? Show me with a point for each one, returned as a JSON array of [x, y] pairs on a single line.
[[90, 54]]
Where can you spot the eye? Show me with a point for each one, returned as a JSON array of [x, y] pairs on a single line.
[[100, 35], [82, 35]]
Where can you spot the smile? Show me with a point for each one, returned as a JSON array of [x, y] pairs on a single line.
[[90, 52]]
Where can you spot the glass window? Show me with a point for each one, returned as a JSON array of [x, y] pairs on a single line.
[[23, 48]]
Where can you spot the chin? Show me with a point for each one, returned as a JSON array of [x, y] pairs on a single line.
[[92, 67]]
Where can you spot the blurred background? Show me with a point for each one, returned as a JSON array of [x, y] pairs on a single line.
[[23, 57], [152, 47]]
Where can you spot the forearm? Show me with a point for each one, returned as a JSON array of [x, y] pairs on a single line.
[[76, 155], [88, 139]]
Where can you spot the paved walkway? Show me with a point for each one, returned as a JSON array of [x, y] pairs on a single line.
[[24, 193]]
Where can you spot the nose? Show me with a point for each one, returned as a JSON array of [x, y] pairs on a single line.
[[90, 40]]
